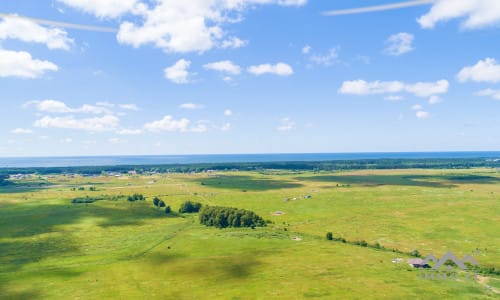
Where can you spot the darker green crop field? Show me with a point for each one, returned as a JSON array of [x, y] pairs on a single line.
[[51, 248]]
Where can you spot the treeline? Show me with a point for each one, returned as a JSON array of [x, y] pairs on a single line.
[[222, 217], [87, 199], [358, 164]]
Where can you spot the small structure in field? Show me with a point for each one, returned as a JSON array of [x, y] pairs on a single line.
[[418, 263], [278, 213]]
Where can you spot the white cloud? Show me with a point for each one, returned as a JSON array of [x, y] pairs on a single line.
[[29, 31], [228, 112], [306, 49], [399, 43], [21, 131], [477, 13], [191, 106], [417, 107], [178, 73], [495, 94], [422, 114], [394, 98], [286, 125], [200, 126], [225, 66], [104, 123], [435, 100], [280, 69], [487, 70], [129, 106], [21, 64], [129, 131], [419, 89], [189, 26], [106, 8], [326, 59], [168, 124], [54, 106], [233, 42], [105, 104]]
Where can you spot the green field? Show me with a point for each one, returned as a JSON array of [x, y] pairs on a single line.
[[51, 248]]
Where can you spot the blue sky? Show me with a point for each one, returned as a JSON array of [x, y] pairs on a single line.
[[247, 76]]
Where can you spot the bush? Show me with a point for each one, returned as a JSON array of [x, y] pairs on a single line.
[[136, 197], [415, 253], [329, 236], [161, 203], [168, 209], [190, 207], [156, 201]]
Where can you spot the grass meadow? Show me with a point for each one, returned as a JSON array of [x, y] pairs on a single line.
[[53, 249]]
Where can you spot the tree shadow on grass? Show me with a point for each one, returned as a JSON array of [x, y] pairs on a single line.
[[241, 182], [437, 181]]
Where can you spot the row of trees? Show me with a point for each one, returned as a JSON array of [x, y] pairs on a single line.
[[160, 203], [222, 217]]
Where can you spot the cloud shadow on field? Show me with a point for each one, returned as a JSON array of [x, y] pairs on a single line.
[[241, 182]]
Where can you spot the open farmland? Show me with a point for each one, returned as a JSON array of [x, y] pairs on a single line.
[[114, 248]]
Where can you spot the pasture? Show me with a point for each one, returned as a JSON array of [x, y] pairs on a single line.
[[51, 248]]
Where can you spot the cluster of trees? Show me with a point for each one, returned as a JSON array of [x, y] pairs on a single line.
[[160, 203], [136, 197], [190, 207], [222, 217]]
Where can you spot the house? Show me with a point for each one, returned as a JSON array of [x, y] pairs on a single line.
[[418, 263]]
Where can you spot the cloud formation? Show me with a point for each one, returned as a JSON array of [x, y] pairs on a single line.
[[419, 89], [29, 31], [487, 70], [280, 69], [20, 64], [178, 73], [399, 43]]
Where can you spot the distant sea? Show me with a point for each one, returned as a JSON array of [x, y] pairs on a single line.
[[78, 161]]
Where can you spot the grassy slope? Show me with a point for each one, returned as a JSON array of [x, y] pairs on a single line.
[[50, 248]]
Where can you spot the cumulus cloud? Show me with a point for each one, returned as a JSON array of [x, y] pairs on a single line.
[[22, 65], [280, 69], [476, 14], [190, 106], [21, 131], [399, 43], [487, 70], [178, 72], [422, 114], [233, 42], [168, 123], [106, 8], [29, 31], [228, 112], [104, 123], [495, 94], [286, 124], [54, 106], [417, 107], [419, 89], [188, 26], [225, 66]]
